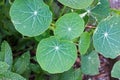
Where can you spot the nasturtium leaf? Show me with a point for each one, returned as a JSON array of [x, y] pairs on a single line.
[[72, 74], [22, 63], [30, 17], [6, 53], [90, 63], [102, 10], [3, 67], [106, 38], [69, 26], [12, 76], [84, 43], [55, 55], [77, 4], [116, 70]]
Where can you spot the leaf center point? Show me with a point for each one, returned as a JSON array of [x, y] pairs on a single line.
[[35, 13], [69, 29], [56, 48], [105, 34]]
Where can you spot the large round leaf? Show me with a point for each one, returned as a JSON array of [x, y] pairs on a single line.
[[56, 56], [106, 37], [77, 4], [30, 17], [69, 26]]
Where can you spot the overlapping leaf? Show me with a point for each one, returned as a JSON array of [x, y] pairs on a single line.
[[90, 63], [77, 4]]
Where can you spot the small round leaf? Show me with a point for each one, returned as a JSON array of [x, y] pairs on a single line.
[[30, 17], [77, 4], [116, 70], [56, 56], [69, 26], [106, 37]]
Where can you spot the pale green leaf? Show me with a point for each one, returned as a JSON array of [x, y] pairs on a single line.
[[56, 56], [90, 63], [84, 43], [116, 70], [106, 37], [69, 26], [77, 4], [30, 17]]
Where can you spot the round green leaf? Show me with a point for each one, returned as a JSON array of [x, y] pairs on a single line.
[[56, 56], [77, 4], [30, 17], [116, 70], [106, 37], [69, 26]]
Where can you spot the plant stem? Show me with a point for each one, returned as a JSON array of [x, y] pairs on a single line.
[[62, 11], [50, 3]]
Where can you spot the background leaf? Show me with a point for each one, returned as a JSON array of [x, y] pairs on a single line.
[[22, 63], [77, 4], [6, 53], [12, 76], [90, 63], [84, 43], [72, 74], [3, 67], [102, 10]]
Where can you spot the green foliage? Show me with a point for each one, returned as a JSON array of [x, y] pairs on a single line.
[[69, 26], [22, 63], [84, 43], [116, 70], [77, 4], [90, 63], [3, 67], [6, 54], [6, 74], [31, 18], [52, 52], [72, 74], [101, 11], [45, 39], [106, 37]]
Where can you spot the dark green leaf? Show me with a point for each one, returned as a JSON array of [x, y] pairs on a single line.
[[22, 63]]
